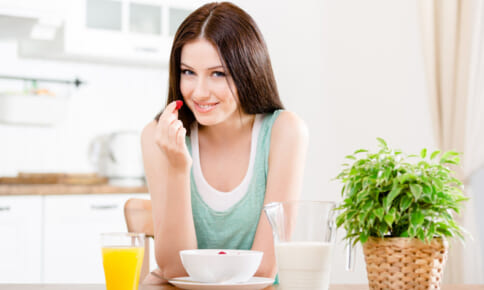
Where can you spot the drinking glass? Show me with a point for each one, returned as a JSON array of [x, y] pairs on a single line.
[[304, 235], [122, 259]]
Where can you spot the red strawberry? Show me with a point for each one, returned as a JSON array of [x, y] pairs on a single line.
[[222, 253]]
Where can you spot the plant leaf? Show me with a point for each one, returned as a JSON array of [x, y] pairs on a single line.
[[389, 219], [435, 153], [391, 196], [405, 202], [350, 215], [340, 220], [363, 237], [383, 229], [417, 218], [416, 190], [379, 213], [382, 142], [446, 155], [423, 153]]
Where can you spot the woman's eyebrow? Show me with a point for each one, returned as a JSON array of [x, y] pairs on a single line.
[[215, 67], [186, 65], [210, 68]]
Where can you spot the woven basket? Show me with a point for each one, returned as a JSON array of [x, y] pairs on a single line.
[[405, 263]]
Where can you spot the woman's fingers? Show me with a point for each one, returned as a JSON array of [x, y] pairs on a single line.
[[168, 127], [170, 115], [180, 137], [173, 130], [170, 136]]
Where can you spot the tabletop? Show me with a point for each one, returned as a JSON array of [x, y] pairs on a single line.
[[169, 287]]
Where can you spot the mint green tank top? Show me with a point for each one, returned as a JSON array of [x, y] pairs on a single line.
[[235, 228]]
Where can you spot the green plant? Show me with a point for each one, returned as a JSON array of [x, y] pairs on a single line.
[[390, 194]]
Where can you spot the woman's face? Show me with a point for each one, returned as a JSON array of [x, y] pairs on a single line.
[[207, 88]]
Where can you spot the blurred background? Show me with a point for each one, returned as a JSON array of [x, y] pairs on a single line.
[[80, 78]]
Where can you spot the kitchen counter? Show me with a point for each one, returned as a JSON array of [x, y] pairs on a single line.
[[63, 189]]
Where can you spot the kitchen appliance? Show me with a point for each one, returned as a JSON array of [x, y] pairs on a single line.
[[117, 156]]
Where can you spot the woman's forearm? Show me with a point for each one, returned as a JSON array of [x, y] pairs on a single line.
[[173, 222]]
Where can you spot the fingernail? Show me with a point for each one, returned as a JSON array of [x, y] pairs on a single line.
[[179, 104]]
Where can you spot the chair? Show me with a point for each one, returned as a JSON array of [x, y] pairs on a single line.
[[138, 215]]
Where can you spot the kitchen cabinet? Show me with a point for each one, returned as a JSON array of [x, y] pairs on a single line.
[[20, 19], [20, 239], [72, 225], [136, 32], [44, 7], [55, 238]]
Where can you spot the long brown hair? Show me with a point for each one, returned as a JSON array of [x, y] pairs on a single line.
[[244, 55]]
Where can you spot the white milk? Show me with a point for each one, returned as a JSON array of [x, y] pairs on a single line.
[[303, 265]]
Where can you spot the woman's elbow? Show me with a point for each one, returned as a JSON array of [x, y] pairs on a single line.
[[268, 271], [170, 270]]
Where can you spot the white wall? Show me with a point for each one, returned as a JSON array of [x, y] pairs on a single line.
[[352, 69], [373, 86]]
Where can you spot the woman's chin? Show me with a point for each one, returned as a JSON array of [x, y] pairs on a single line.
[[207, 120]]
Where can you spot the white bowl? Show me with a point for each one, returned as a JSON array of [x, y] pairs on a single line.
[[221, 266]]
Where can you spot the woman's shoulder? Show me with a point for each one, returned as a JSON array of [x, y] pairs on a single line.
[[288, 125], [148, 133]]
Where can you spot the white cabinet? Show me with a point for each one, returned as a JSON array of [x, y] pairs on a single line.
[[20, 239], [117, 31], [72, 225], [21, 19], [44, 7]]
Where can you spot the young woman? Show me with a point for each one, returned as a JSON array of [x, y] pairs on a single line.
[[212, 164]]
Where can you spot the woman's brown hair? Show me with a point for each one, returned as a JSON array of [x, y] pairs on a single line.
[[242, 50]]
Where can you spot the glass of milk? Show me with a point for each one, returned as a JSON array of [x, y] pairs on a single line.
[[304, 234]]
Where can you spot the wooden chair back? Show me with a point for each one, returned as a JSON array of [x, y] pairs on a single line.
[[138, 216]]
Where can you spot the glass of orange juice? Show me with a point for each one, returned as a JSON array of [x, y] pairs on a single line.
[[122, 259]]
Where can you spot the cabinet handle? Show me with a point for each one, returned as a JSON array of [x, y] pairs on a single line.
[[103, 206], [5, 208]]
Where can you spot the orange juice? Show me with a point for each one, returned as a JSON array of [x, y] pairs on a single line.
[[122, 266]]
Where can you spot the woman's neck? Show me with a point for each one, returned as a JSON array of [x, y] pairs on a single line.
[[228, 131]]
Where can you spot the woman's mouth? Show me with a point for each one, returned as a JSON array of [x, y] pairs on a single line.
[[205, 107]]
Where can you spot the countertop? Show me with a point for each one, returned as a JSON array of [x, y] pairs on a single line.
[[64, 189], [168, 287]]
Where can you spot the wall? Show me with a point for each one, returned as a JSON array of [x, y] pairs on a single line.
[[352, 69]]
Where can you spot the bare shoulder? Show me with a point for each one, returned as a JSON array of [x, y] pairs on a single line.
[[289, 127], [148, 136], [148, 133]]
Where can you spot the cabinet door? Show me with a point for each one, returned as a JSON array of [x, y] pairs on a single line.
[[72, 252], [20, 239]]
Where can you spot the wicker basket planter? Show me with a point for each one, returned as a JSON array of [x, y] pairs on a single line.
[[405, 263]]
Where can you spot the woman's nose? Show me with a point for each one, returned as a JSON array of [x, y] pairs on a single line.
[[201, 89]]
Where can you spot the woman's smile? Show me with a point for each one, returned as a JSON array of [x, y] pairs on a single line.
[[205, 107]]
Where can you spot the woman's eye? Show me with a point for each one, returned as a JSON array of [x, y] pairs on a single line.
[[218, 74], [186, 72]]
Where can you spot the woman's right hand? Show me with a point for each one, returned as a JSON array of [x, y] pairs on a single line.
[[170, 138]]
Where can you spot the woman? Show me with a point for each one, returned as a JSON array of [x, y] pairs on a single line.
[[230, 149]]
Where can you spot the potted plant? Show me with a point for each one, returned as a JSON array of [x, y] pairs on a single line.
[[400, 208]]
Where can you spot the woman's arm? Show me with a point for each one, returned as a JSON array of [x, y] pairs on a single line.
[[167, 167], [289, 141]]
